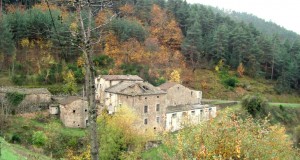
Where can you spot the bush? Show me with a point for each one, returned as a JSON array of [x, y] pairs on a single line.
[[19, 79], [297, 136], [15, 138], [39, 138], [231, 82], [14, 98], [231, 137], [56, 89], [255, 105]]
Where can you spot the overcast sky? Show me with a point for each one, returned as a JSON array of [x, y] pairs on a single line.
[[285, 13]]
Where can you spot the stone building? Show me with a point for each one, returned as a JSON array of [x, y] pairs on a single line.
[[147, 100], [181, 115], [35, 99], [178, 94], [74, 112], [103, 82], [184, 106], [166, 107]]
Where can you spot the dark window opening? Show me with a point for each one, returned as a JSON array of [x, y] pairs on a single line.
[[145, 87], [193, 112], [191, 93], [85, 110], [145, 109], [157, 96], [157, 107], [145, 97], [74, 122], [145, 121], [78, 125], [210, 109], [174, 115], [154, 128], [74, 111]]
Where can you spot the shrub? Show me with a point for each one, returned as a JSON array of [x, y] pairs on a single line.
[[56, 89], [231, 137], [231, 82], [255, 105], [297, 136], [19, 79], [39, 138], [15, 138], [14, 98]]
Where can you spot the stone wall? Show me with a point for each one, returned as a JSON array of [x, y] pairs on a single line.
[[74, 114], [36, 99], [177, 120], [155, 119], [181, 95]]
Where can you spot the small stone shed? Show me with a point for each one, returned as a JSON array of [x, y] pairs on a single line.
[[74, 112], [35, 99]]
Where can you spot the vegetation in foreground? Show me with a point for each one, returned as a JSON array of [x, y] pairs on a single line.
[[231, 135]]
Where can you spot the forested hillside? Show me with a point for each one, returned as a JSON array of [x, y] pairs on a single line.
[[156, 39], [266, 27]]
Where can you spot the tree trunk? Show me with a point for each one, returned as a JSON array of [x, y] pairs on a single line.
[[90, 82]]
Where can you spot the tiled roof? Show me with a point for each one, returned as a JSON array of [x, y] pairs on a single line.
[[145, 89], [121, 77], [24, 90], [167, 85]]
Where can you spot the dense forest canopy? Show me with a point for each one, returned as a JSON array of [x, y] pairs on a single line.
[[151, 38]]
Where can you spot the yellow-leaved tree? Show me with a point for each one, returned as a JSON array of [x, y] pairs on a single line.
[[121, 136], [70, 85], [175, 76], [241, 70]]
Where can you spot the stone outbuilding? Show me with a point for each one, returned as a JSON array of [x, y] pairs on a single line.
[[36, 99], [74, 112]]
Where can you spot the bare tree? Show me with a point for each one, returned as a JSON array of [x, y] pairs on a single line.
[[92, 8]]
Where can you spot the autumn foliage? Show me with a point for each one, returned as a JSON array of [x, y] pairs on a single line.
[[231, 137]]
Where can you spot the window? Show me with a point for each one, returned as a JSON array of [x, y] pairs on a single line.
[[145, 121], [210, 109], [157, 107], [193, 112], [145, 109], [145, 97], [85, 110], [191, 93], [74, 111], [174, 115], [158, 119], [157, 96]]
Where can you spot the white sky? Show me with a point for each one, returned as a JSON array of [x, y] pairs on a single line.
[[285, 13]]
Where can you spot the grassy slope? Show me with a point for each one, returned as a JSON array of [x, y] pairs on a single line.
[[17, 152], [26, 125], [209, 82]]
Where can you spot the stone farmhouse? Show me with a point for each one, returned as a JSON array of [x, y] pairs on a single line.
[[166, 107]]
